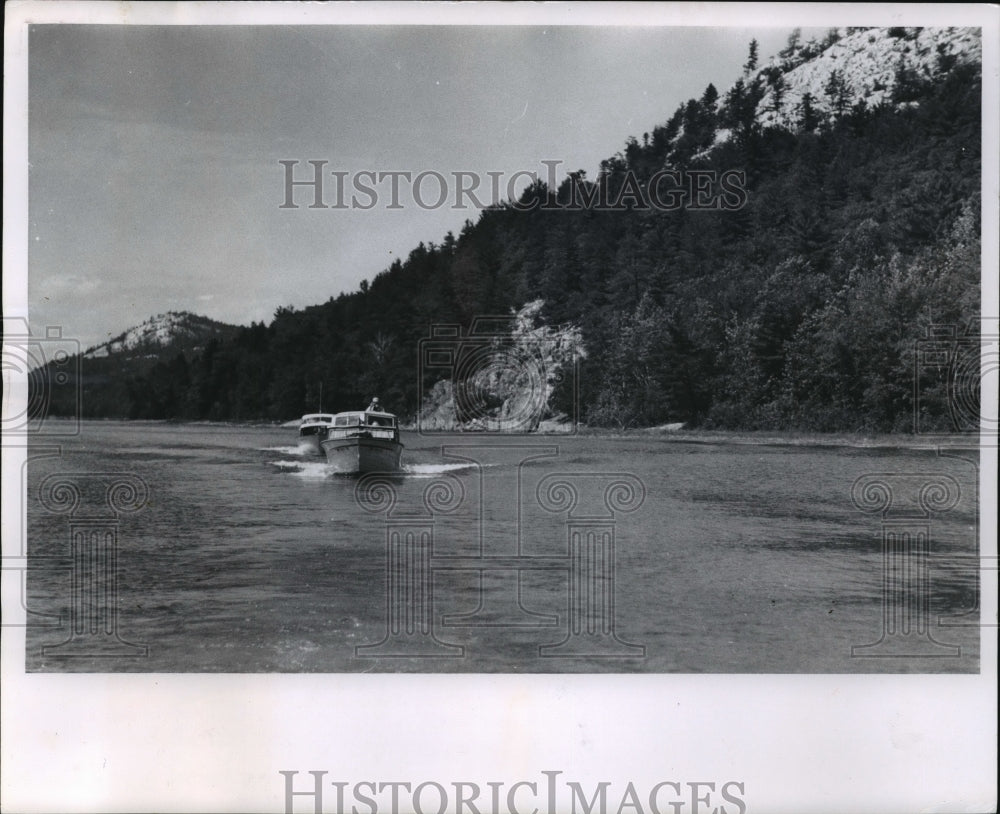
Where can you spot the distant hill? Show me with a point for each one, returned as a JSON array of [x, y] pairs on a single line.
[[165, 333], [801, 303], [115, 374]]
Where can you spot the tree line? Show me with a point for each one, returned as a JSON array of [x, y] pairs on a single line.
[[802, 309]]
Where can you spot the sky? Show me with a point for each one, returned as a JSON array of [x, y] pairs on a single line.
[[155, 181]]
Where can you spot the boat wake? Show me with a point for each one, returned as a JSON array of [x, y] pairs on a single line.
[[318, 470], [307, 470], [302, 449], [430, 470]]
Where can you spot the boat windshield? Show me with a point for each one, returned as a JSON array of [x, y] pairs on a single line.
[[314, 417], [377, 420], [366, 425]]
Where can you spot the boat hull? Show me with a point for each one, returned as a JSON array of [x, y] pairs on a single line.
[[312, 443], [359, 455], [313, 429]]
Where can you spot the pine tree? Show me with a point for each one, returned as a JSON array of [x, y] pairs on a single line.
[[710, 99], [778, 93], [793, 44], [808, 117], [838, 93], [751, 63]]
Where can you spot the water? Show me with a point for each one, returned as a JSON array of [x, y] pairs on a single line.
[[737, 555]]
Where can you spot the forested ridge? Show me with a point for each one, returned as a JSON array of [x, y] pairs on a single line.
[[801, 309]]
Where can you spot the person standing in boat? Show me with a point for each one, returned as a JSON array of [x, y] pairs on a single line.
[[375, 407]]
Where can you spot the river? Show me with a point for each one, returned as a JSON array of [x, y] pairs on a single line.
[[235, 551]]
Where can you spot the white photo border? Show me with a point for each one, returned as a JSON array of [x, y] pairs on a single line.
[[218, 742]]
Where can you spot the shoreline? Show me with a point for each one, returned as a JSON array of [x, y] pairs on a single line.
[[798, 438]]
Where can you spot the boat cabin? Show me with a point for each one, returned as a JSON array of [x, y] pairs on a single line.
[[315, 423], [366, 424]]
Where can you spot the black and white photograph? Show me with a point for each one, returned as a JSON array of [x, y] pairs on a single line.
[[500, 407]]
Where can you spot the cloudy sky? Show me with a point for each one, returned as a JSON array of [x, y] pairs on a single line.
[[155, 181]]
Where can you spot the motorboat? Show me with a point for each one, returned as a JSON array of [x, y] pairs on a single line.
[[313, 429], [363, 441]]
